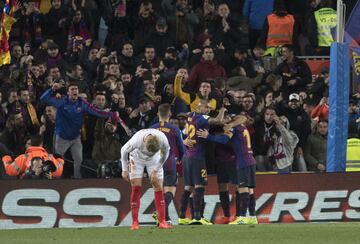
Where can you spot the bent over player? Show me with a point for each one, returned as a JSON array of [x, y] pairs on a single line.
[[147, 148]]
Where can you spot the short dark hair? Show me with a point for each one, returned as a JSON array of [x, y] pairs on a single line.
[[149, 46], [36, 140], [271, 107], [72, 84], [22, 88]]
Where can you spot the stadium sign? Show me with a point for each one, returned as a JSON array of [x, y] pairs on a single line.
[[100, 203]]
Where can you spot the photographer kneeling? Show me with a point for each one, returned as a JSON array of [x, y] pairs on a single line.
[[35, 163]]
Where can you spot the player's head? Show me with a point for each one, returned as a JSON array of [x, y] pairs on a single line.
[[240, 119], [164, 111], [204, 107], [73, 91], [152, 144]]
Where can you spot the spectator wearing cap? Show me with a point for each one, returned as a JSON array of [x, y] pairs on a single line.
[[182, 21], [296, 73], [69, 119], [55, 23], [255, 11], [280, 29], [207, 68], [316, 147], [160, 38], [300, 123]]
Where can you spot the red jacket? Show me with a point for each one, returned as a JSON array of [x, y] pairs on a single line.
[[321, 112], [203, 71]]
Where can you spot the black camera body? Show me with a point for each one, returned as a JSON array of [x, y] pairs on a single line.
[[109, 169], [48, 167]]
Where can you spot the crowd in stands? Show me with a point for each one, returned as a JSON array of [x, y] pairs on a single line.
[[123, 56]]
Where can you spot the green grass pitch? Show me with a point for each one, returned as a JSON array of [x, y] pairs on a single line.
[[327, 233]]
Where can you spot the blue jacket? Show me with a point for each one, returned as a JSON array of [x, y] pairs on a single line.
[[255, 11], [70, 115]]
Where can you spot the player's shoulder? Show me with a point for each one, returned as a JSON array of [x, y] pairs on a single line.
[[155, 126]]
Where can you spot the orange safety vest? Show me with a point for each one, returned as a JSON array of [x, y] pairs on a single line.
[[281, 30], [23, 162]]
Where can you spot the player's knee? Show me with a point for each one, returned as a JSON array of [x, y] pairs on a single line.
[[136, 182], [189, 188], [157, 185], [243, 189]]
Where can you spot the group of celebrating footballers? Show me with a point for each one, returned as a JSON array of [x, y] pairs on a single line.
[[158, 148]]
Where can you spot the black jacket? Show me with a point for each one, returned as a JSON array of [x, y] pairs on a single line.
[[299, 121], [298, 70]]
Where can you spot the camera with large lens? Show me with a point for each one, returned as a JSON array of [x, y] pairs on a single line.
[[48, 167], [109, 169]]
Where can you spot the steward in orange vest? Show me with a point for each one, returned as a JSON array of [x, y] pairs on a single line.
[[280, 28], [22, 163]]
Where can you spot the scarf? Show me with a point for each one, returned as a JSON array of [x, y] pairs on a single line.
[[32, 114]]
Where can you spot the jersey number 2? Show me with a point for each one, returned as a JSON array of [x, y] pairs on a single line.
[[190, 130]]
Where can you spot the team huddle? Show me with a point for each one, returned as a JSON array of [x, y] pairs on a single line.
[[158, 148]]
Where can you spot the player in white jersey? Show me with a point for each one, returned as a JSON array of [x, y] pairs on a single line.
[[147, 148]]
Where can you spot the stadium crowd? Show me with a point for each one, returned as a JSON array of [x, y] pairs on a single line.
[[113, 62]]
